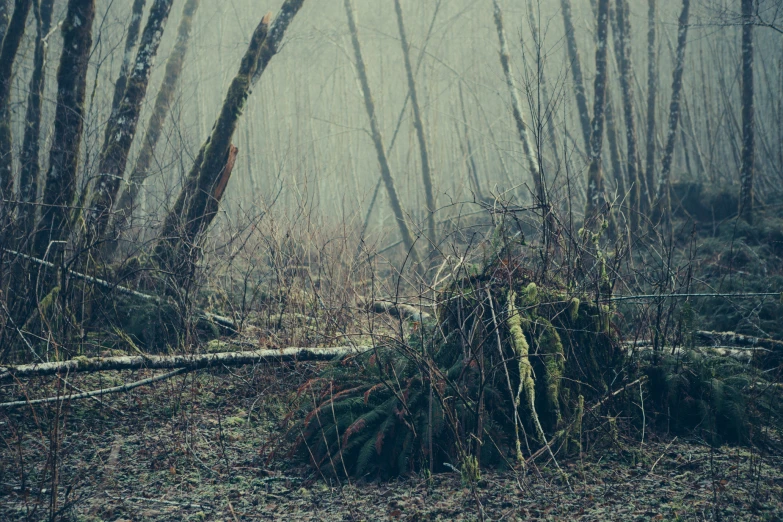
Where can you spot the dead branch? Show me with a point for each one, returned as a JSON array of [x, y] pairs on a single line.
[[188, 362], [94, 393]]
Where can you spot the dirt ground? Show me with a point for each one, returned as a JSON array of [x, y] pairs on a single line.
[[214, 446]]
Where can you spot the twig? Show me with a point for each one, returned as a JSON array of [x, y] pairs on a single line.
[[672, 296], [94, 393], [187, 505]]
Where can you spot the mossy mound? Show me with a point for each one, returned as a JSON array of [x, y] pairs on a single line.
[[505, 366]]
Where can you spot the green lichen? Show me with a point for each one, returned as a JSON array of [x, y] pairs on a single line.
[[573, 308], [552, 352]]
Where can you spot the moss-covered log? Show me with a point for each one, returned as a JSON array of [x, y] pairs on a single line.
[[197, 361]]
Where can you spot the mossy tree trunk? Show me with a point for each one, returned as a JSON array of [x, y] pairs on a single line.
[[419, 126], [122, 124], [748, 132], [662, 211], [160, 111], [60, 185], [196, 205], [10, 46], [652, 86], [596, 196], [626, 84], [377, 138], [576, 72], [531, 154], [30, 166]]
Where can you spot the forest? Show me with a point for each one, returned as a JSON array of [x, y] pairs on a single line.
[[391, 260]]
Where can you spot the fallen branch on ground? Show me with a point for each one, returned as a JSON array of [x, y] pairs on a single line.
[[189, 362], [95, 393]]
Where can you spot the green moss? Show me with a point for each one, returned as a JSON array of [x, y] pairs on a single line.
[[554, 364], [573, 308]]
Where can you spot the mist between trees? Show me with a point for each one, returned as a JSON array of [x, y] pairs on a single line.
[[183, 177]]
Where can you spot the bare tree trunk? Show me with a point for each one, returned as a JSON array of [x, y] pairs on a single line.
[[471, 160], [60, 183], [419, 126], [121, 127], [3, 19], [276, 32], [137, 13], [10, 46], [652, 86], [596, 196], [160, 112], [516, 109], [663, 204], [576, 72], [197, 202], [626, 72], [377, 138], [748, 135], [30, 166]]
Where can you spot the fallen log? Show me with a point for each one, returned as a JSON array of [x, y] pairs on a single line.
[[735, 339], [190, 362], [94, 393]]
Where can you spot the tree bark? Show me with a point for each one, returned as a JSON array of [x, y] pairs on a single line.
[[419, 126], [516, 109], [626, 72], [576, 72], [60, 183], [377, 138], [121, 128], [748, 131], [8, 50], [663, 205], [596, 196], [131, 38], [276, 32], [196, 204], [3, 19], [652, 86], [191, 362], [160, 112], [30, 166]]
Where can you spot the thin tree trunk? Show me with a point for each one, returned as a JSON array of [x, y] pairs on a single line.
[[596, 196], [160, 112], [137, 13], [377, 138], [10, 46], [122, 125], [748, 136], [4, 18], [663, 205], [516, 109], [197, 202], [626, 71], [652, 86], [276, 32], [60, 183], [419, 126], [576, 73], [469, 147], [30, 166]]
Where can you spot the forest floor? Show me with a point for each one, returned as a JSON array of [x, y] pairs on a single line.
[[213, 446]]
